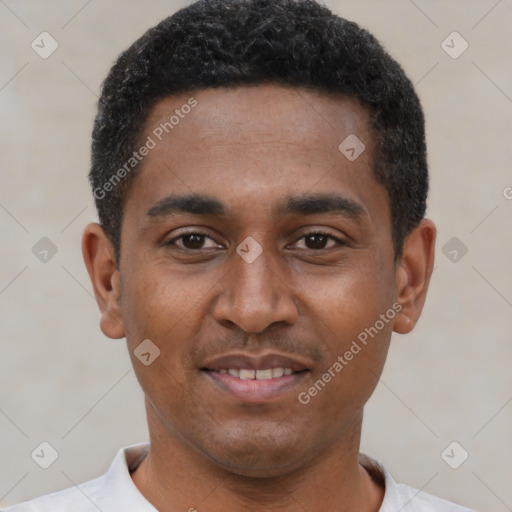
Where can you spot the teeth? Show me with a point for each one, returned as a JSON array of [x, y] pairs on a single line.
[[248, 374], [263, 374], [277, 372]]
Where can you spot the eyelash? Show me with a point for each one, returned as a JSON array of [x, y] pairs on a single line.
[[188, 233], [207, 235], [322, 233]]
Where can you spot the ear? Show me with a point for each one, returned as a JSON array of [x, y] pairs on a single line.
[[413, 275], [99, 257]]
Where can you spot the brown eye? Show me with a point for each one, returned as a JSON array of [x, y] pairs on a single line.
[[193, 241], [316, 241]]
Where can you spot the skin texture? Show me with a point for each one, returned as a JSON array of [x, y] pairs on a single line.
[[250, 148]]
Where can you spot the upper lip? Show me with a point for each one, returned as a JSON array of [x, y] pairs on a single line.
[[262, 361]]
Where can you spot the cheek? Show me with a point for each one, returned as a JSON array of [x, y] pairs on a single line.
[[159, 301], [161, 311], [168, 308], [350, 298], [354, 313]]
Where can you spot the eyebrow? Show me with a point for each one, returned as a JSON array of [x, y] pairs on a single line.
[[323, 203], [193, 203], [197, 204]]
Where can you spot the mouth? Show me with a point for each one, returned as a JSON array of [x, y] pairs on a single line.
[[250, 374], [255, 378]]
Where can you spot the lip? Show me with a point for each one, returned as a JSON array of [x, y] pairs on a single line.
[[256, 362], [254, 391]]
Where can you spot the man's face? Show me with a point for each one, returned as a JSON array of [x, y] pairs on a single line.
[[267, 163]]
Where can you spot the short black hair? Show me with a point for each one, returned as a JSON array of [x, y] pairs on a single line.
[[230, 43]]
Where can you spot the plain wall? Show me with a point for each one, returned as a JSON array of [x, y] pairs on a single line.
[[63, 382]]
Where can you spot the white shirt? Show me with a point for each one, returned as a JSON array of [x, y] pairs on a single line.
[[116, 492]]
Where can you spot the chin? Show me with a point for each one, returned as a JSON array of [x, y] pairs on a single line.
[[258, 465], [261, 456]]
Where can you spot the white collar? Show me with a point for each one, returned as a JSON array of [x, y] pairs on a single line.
[[120, 493], [116, 490]]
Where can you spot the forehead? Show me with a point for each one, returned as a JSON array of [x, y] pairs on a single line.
[[263, 113], [257, 143]]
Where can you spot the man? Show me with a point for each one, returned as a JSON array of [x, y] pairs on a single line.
[[259, 169]]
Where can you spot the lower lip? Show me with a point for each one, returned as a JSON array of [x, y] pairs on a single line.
[[253, 390]]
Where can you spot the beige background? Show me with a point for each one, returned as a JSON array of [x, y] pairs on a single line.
[[63, 382]]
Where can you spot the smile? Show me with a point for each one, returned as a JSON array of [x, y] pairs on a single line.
[[251, 378], [250, 374], [248, 386]]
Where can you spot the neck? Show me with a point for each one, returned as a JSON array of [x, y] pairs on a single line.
[[176, 476]]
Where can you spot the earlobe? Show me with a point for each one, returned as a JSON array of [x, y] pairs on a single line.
[[99, 258], [413, 275]]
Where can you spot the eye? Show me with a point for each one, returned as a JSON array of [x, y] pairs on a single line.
[[194, 241], [318, 240]]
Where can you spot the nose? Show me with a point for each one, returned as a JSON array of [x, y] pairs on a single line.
[[255, 295]]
